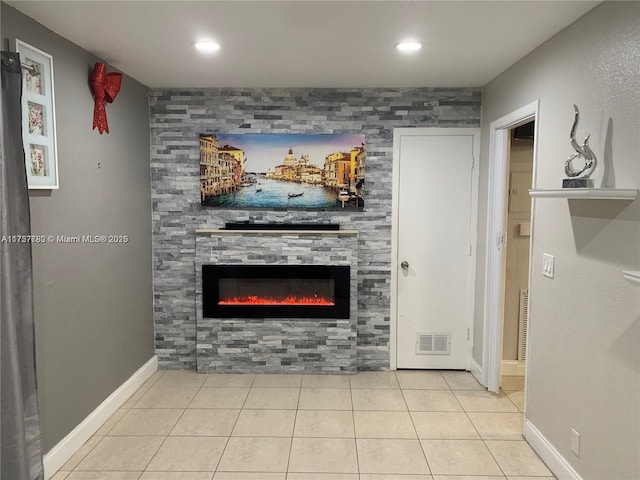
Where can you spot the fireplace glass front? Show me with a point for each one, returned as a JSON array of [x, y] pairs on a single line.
[[275, 291]]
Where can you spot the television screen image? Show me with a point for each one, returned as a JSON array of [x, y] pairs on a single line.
[[320, 171]]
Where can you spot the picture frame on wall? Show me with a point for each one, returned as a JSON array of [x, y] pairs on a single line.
[[282, 171], [38, 116]]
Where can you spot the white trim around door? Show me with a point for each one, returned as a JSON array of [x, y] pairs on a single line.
[[496, 214]]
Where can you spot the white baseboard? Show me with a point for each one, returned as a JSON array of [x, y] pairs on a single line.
[[548, 453], [69, 445], [513, 368], [478, 372]]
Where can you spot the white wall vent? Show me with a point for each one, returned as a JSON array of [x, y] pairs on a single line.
[[433, 344], [523, 324]]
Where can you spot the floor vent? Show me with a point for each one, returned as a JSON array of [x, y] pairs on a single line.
[[523, 324], [433, 344]]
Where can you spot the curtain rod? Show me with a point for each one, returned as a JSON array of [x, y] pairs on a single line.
[[9, 61]]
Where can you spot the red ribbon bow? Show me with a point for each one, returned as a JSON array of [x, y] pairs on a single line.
[[105, 87]]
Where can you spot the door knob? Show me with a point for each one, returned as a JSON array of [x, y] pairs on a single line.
[[404, 265]]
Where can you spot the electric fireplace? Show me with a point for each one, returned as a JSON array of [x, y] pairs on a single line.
[[275, 291]]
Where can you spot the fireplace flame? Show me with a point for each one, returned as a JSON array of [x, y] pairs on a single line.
[[289, 300]]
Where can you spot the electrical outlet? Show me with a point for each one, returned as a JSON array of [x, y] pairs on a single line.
[[547, 265], [575, 442]]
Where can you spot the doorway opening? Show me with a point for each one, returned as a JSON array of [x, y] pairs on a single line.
[[500, 134], [517, 251]]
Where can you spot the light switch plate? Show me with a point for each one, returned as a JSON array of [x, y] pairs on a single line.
[[547, 265]]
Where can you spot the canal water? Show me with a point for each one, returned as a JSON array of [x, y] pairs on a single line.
[[275, 194]]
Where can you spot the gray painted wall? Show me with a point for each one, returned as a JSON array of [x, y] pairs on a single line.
[[178, 116], [584, 360], [92, 302]]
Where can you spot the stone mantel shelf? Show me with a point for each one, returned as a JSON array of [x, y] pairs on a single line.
[[208, 231]]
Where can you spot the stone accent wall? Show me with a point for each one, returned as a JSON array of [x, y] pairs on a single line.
[[178, 116], [276, 345]]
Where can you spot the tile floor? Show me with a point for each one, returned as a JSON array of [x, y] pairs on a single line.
[[405, 425]]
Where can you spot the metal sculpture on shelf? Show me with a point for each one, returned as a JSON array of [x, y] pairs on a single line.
[[579, 178]]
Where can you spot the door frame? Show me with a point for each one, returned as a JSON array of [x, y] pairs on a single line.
[[496, 221], [473, 229]]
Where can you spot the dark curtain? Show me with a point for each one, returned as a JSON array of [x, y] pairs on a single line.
[[21, 454]]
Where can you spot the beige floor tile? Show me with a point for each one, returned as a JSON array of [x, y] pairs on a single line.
[[111, 422], [229, 380], [212, 422], [323, 455], [272, 398], [147, 421], [151, 381], [326, 381], [181, 378], [324, 423], [322, 476], [459, 457], [222, 397], [255, 454], [133, 399], [498, 426], [431, 401], [78, 475], [377, 476], [421, 380], [444, 426], [511, 477], [383, 425], [508, 382], [265, 423], [391, 457], [517, 398], [167, 397], [121, 453], [277, 381], [485, 402], [82, 452], [517, 458], [60, 475], [468, 477], [325, 399], [378, 399], [374, 380], [189, 454], [176, 476], [461, 381], [249, 476]]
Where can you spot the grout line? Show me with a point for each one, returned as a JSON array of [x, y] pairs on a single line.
[[355, 433], [424, 454], [293, 430], [234, 426], [84, 456], [167, 436]]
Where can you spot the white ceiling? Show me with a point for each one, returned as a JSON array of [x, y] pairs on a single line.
[[307, 43]]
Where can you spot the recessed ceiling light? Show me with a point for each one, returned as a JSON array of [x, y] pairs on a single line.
[[409, 46], [206, 46]]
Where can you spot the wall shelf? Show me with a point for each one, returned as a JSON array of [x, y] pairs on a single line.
[[633, 277], [586, 193]]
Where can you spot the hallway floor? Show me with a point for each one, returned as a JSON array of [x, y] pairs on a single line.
[[405, 425]]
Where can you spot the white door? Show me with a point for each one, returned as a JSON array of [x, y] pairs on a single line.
[[436, 198]]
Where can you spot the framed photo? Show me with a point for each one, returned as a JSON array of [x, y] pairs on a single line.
[[38, 116], [287, 171]]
